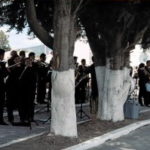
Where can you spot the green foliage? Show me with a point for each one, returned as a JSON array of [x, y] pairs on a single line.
[[119, 25], [13, 13], [103, 20], [4, 43]]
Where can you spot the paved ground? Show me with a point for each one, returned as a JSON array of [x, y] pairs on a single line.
[[10, 133], [137, 140]]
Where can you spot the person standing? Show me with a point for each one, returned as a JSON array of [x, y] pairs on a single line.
[[11, 60], [22, 57], [3, 74], [147, 82], [27, 86], [76, 65], [12, 88], [142, 81], [94, 88], [49, 82], [81, 82], [42, 79]]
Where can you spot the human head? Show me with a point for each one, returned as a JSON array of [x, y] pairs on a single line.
[[28, 62], [13, 54], [83, 62], [32, 56], [2, 53], [22, 54], [43, 57], [17, 59], [148, 63], [75, 59], [141, 65]]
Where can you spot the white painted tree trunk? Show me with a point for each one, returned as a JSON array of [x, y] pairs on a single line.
[[113, 87], [63, 121]]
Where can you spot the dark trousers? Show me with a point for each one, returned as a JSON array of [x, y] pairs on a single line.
[[142, 94], [147, 99], [12, 101], [26, 104], [2, 101], [10, 110], [41, 91]]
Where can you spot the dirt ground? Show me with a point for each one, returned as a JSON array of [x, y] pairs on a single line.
[[86, 131]]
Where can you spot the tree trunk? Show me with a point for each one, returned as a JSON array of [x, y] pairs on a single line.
[[63, 104], [113, 88], [63, 120]]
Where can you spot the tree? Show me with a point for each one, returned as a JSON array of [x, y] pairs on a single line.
[[4, 43], [59, 19], [113, 29]]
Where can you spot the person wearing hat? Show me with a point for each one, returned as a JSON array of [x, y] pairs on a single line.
[[3, 74]]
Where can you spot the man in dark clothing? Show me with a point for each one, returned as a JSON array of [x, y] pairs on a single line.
[[27, 91], [81, 82], [49, 75], [147, 74], [12, 88], [42, 77], [22, 57], [3, 74], [142, 82], [76, 65], [11, 60], [94, 89]]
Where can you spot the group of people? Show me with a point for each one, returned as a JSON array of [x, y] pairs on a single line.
[[23, 78], [24, 81], [20, 81], [86, 84], [143, 74]]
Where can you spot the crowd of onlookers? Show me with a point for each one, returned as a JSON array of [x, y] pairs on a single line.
[[142, 76]]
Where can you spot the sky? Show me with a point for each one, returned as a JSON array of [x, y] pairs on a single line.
[[22, 40]]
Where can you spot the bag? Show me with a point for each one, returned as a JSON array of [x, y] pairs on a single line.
[[147, 85], [131, 109]]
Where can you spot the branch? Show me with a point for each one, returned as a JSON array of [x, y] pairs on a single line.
[[37, 28], [78, 7], [137, 38]]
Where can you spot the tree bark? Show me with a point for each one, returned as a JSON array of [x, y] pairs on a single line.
[[63, 120], [113, 88]]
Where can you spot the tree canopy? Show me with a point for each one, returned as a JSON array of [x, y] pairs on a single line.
[[39, 21], [106, 22], [116, 27]]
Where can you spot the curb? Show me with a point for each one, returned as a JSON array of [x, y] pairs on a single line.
[[21, 140], [144, 111], [108, 136]]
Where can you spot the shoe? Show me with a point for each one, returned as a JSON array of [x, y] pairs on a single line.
[[3, 123]]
